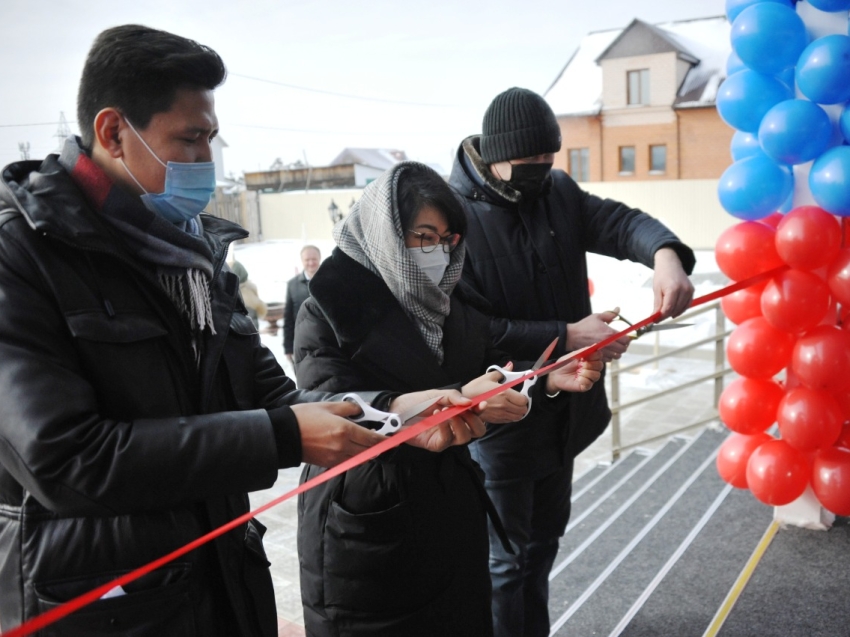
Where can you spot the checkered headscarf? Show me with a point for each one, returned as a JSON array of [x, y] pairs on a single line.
[[372, 235]]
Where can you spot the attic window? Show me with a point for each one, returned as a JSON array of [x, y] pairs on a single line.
[[638, 87]]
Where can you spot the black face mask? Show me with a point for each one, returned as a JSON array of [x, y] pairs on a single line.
[[530, 180]]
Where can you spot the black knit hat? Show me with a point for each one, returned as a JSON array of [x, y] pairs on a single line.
[[518, 123]]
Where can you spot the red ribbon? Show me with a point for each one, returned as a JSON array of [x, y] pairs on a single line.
[[55, 614]]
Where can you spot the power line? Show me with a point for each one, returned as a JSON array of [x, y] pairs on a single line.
[[332, 132], [36, 124], [346, 95]]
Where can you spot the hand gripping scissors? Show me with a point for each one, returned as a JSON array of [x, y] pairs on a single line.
[[528, 383], [390, 422]]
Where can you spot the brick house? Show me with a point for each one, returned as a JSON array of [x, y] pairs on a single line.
[[638, 104]]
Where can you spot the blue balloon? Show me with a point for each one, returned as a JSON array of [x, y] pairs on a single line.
[[823, 70], [754, 187], [744, 145], [829, 181], [769, 37], [795, 131], [844, 123], [831, 6], [745, 97], [734, 64], [734, 7], [787, 77]]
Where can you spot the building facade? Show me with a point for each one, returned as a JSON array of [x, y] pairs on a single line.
[[638, 104]]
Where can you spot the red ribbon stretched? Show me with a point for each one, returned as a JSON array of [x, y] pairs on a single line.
[[55, 614]]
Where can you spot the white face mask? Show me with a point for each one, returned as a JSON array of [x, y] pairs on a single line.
[[433, 263]]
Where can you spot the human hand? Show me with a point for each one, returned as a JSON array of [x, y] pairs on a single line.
[[508, 406], [672, 288], [327, 436], [594, 328], [455, 431], [576, 376]]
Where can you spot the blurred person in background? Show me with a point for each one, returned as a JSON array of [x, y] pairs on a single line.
[[297, 291]]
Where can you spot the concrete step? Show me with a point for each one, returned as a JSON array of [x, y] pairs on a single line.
[[610, 557]]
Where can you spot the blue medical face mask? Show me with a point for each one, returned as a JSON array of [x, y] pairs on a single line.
[[188, 187]]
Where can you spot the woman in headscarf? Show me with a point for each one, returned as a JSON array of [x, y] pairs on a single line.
[[399, 546]]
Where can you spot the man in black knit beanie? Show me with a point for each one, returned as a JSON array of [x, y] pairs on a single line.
[[529, 230]]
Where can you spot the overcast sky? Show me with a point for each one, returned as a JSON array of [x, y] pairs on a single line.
[[415, 76]]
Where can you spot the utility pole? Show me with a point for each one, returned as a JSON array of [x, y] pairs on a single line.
[[24, 147], [62, 132]]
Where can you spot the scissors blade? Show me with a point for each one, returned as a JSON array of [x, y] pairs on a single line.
[[414, 411], [655, 327], [545, 356]]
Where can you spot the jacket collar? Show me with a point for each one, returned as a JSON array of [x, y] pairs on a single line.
[[372, 326], [51, 203], [472, 176]]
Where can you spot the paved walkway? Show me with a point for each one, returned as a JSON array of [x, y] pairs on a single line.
[[640, 422]]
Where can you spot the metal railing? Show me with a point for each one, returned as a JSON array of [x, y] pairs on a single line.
[[720, 371]]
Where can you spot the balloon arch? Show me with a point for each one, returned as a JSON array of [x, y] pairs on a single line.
[[787, 95]]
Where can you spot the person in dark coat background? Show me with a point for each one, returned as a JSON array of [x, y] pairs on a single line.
[[137, 404], [297, 291], [399, 546], [529, 230]]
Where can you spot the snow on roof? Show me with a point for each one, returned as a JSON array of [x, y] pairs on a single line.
[[381, 158], [578, 88]]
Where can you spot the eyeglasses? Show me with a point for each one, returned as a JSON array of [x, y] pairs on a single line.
[[428, 241]]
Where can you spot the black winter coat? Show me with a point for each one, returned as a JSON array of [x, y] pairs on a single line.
[[114, 448], [398, 546], [297, 291], [528, 261]]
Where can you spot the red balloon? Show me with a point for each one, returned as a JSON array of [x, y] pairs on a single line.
[[590, 288], [808, 238], [743, 304], [746, 249], [831, 479], [838, 277], [757, 349], [748, 405], [795, 301], [809, 419], [821, 358], [844, 436], [772, 219], [734, 454], [777, 473]]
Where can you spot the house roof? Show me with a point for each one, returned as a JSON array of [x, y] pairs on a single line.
[[381, 158], [703, 42]]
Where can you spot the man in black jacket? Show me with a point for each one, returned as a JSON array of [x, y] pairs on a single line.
[[298, 291], [529, 230], [137, 405]]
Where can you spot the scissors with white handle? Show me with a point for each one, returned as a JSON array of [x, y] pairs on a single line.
[[390, 422], [528, 383]]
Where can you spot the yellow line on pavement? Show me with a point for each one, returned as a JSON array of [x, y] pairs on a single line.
[[741, 582]]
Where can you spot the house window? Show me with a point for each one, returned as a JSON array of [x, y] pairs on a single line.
[[638, 87], [627, 160], [658, 159], [580, 164]]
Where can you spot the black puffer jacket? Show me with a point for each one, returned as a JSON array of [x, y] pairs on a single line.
[[528, 261], [114, 449], [398, 546]]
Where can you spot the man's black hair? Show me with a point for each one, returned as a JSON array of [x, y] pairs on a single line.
[[419, 186], [138, 70]]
